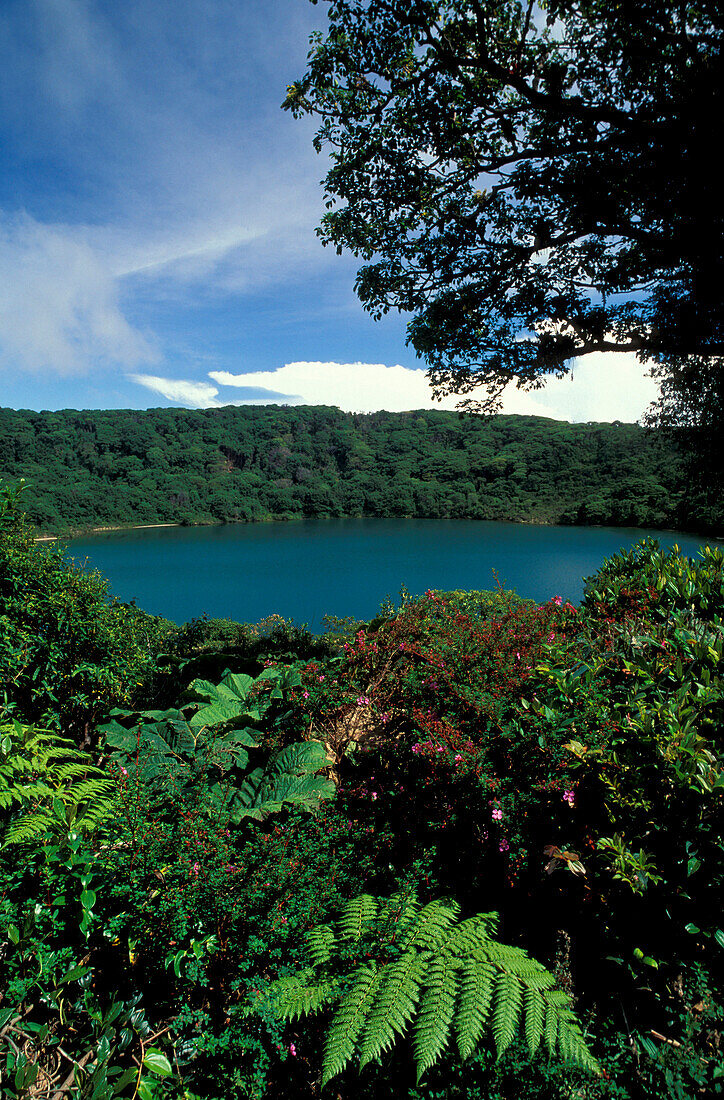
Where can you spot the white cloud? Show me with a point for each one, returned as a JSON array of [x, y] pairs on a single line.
[[603, 387], [59, 306], [199, 395], [353, 387]]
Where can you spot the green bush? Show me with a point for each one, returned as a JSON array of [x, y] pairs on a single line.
[[68, 651]]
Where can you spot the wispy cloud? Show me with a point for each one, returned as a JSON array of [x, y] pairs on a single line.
[[199, 395], [161, 161], [59, 307]]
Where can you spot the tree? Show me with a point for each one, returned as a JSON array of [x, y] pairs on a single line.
[[532, 181]]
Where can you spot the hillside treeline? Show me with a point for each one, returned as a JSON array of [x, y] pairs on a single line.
[[121, 467]]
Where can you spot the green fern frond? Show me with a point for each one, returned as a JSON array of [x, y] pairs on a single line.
[[348, 1021], [431, 925], [472, 935], [91, 788], [302, 994], [437, 1008], [357, 915], [394, 1007], [28, 827], [446, 977], [67, 772], [572, 1046], [551, 1026], [508, 1000], [320, 944], [49, 782], [474, 1000], [535, 1011], [403, 910]]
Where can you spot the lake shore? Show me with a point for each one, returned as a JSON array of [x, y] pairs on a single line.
[[101, 530], [81, 532]]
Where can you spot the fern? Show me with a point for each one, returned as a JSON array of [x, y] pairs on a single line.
[[349, 1020], [431, 973], [320, 944], [357, 915], [303, 993], [534, 1017], [508, 997], [437, 1009], [430, 927], [474, 998], [395, 1005], [47, 784]]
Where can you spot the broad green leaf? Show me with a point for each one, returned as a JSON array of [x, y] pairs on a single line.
[[158, 1063]]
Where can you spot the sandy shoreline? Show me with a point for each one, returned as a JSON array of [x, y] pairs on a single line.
[[100, 530]]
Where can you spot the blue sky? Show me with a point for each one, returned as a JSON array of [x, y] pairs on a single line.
[[157, 217]]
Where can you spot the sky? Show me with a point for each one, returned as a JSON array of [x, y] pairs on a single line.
[[157, 225]]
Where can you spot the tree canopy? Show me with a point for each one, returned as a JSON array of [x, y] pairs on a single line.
[[532, 181], [99, 468]]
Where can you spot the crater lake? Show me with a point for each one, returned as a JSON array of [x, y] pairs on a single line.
[[305, 569]]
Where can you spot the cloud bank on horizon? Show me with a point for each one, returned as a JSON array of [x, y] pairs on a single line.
[[601, 387]]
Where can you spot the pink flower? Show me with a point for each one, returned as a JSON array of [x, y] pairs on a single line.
[[321, 679], [503, 846], [305, 695], [416, 748], [373, 796], [569, 797], [550, 638], [558, 600], [362, 701], [458, 757], [497, 814], [292, 1050], [196, 868]]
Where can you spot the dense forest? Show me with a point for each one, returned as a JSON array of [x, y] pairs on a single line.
[[106, 468], [470, 850]]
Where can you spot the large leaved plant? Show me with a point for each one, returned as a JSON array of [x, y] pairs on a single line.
[[204, 746]]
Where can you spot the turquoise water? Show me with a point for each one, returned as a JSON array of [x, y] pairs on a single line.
[[306, 569]]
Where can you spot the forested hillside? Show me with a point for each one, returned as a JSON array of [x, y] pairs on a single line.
[[122, 467]]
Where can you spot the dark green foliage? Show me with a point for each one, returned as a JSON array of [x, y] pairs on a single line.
[[200, 752], [67, 650], [237, 465]]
